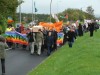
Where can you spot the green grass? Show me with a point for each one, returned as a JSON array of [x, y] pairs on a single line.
[[82, 59]]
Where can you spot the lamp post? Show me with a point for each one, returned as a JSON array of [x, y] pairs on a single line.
[[50, 10]]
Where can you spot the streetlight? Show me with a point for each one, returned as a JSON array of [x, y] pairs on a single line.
[[50, 10]]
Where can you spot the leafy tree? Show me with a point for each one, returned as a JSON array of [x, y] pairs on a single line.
[[90, 10], [75, 14], [8, 8]]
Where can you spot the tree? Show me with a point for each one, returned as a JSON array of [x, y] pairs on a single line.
[[75, 14], [90, 10], [8, 8]]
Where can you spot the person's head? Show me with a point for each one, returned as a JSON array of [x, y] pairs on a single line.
[[49, 34], [13, 29], [9, 26], [39, 30], [17, 26], [43, 28]]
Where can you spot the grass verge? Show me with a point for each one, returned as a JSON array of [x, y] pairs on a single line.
[[82, 59]]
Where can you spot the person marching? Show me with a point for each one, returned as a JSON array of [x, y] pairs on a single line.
[[3, 45], [71, 36], [91, 29], [80, 30], [50, 42], [31, 38], [39, 41]]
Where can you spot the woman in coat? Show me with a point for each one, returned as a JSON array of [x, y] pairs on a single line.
[[3, 45]]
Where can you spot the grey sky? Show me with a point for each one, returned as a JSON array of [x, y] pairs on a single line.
[[43, 6]]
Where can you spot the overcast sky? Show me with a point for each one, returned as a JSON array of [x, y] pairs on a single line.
[[43, 6]]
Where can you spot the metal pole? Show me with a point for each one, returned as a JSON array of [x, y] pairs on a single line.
[[20, 13], [50, 10], [32, 12], [34, 16], [57, 7]]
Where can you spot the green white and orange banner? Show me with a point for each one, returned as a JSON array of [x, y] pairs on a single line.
[[57, 25]]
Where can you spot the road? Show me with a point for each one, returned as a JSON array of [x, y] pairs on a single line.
[[20, 62]]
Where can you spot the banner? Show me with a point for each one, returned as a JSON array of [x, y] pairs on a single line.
[[57, 25], [16, 37], [60, 38]]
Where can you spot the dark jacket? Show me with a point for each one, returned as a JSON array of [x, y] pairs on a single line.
[[31, 36], [91, 27], [54, 34], [80, 30], [71, 36], [50, 41]]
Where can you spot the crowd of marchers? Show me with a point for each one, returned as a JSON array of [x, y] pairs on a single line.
[[45, 39]]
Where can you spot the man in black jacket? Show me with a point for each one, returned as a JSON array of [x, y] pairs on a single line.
[[91, 29], [31, 38], [71, 37], [54, 34]]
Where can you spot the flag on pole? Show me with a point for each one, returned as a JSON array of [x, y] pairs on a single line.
[[35, 7]]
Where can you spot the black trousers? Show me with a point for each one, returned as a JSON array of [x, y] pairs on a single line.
[[70, 44], [3, 65], [91, 33]]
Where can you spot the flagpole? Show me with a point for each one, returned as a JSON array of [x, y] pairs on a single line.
[[50, 10], [34, 17], [32, 12], [20, 13]]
